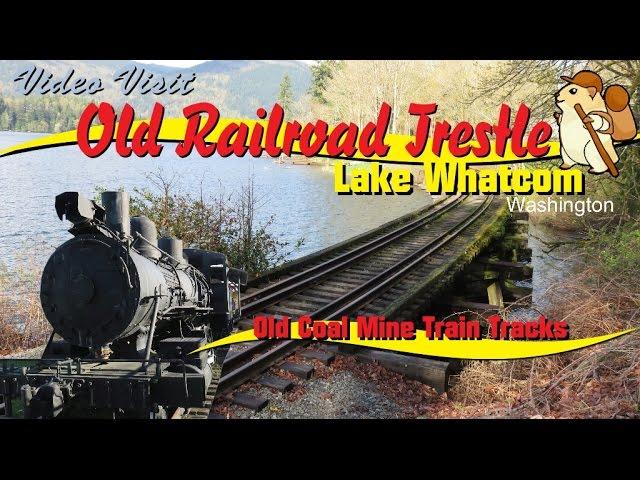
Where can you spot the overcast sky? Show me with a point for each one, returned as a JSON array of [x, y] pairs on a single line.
[[187, 63]]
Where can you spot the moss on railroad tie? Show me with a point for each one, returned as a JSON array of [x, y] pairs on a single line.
[[494, 227]]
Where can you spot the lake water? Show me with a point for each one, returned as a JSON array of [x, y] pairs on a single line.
[[550, 266], [301, 198]]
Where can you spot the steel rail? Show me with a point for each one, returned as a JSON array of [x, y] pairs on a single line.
[[346, 303], [288, 286]]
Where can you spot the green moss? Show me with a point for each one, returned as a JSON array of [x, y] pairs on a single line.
[[444, 275]]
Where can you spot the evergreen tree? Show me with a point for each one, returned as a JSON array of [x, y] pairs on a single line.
[[285, 97], [321, 73]]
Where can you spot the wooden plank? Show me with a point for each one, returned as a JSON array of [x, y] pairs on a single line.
[[371, 271], [426, 370], [328, 288], [316, 298], [342, 283], [297, 302], [275, 382], [196, 412], [324, 357], [177, 415], [518, 226], [346, 348], [354, 276], [494, 292], [515, 270], [248, 400], [490, 275], [517, 215], [301, 370]]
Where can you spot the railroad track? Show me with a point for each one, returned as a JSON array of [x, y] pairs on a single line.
[[363, 277]]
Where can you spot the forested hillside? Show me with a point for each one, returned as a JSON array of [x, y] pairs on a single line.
[[237, 87]]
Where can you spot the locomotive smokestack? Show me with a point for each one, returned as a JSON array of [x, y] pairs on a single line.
[[173, 246], [116, 205], [147, 229]]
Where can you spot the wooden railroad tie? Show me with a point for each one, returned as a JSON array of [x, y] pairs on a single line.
[[275, 382], [298, 369], [248, 400], [324, 357]]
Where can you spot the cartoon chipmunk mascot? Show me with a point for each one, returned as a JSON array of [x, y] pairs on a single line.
[[590, 122]]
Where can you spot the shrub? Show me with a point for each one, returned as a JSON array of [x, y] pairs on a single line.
[[617, 252], [22, 322], [224, 223], [601, 381]]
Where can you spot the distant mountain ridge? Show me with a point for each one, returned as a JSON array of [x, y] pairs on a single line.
[[237, 87]]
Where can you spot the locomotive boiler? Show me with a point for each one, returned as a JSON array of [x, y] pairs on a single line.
[[126, 309]]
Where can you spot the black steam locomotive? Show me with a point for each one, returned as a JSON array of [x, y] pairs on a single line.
[[126, 308]]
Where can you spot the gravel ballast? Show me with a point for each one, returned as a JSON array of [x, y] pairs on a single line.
[[341, 396], [347, 389]]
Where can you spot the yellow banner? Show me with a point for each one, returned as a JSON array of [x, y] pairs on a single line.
[[484, 349], [174, 129]]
